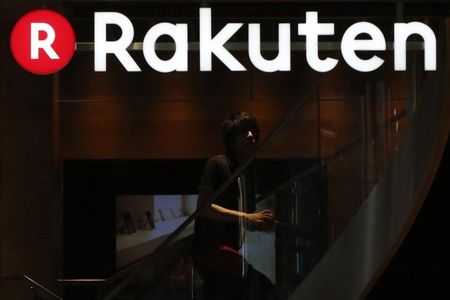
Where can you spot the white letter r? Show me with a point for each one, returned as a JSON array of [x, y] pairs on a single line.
[[45, 44]]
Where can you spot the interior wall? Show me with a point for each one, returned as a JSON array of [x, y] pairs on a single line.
[[30, 207], [178, 115]]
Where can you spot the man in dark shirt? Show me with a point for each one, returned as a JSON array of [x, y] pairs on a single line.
[[218, 230]]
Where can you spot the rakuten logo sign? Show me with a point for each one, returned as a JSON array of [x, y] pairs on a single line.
[[42, 42], [210, 45]]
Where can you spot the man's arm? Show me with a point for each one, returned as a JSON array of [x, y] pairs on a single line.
[[263, 220]]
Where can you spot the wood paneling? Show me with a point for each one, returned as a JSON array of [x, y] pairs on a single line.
[[30, 231], [174, 129], [80, 82]]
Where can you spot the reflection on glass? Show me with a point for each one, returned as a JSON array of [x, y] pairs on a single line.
[[143, 222], [313, 174]]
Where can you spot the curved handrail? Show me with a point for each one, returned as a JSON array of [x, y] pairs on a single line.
[[46, 292], [42, 290]]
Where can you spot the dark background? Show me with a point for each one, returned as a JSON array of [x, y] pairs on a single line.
[[421, 267]]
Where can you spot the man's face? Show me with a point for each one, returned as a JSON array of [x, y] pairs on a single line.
[[245, 143]]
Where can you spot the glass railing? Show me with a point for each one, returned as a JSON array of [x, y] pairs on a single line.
[[299, 189], [170, 273], [314, 194], [380, 195], [346, 143]]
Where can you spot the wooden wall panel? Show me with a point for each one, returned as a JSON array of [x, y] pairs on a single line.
[[216, 94], [80, 82], [340, 124], [343, 82], [346, 188], [30, 231], [181, 129]]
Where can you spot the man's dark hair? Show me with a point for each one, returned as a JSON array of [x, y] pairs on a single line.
[[238, 123]]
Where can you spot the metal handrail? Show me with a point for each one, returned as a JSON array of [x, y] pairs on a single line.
[[83, 281], [48, 294]]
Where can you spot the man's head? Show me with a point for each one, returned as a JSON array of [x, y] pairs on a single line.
[[240, 133]]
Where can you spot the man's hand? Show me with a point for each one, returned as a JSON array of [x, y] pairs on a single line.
[[260, 221]]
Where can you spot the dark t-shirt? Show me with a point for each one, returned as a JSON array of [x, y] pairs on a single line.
[[211, 234]]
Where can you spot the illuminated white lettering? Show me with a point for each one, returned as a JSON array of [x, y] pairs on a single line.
[[283, 61], [209, 45], [312, 29], [350, 44], [179, 60], [401, 33], [45, 44], [102, 47]]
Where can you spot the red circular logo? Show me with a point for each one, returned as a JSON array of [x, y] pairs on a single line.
[[42, 42]]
